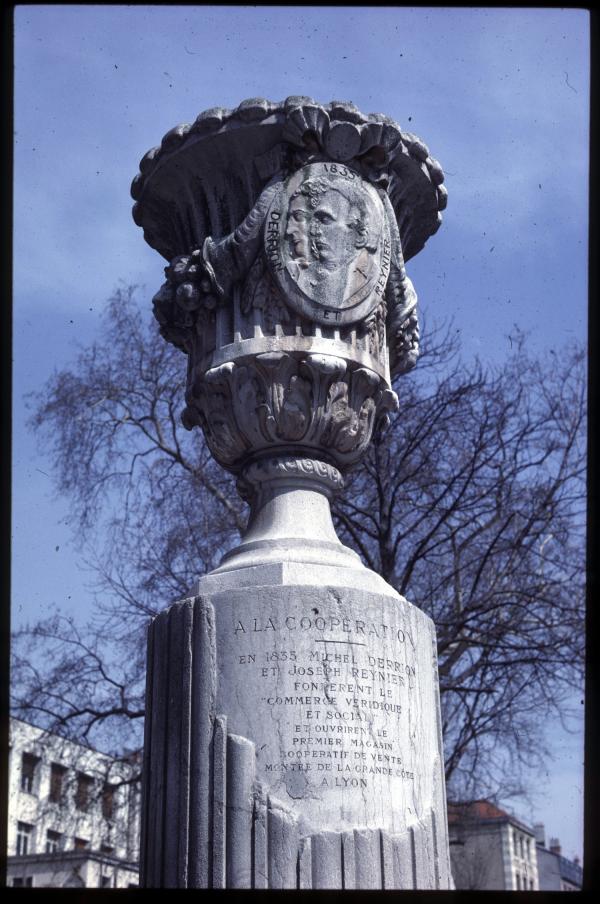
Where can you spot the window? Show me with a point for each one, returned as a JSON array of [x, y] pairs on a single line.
[[28, 765], [20, 882], [108, 800], [104, 881], [57, 773], [107, 849], [80, 844], [83, 792], [522, 848], [53, 841], [24, 839], [518, 878]]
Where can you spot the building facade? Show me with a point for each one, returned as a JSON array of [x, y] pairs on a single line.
[[556, 873], [490, 849], [73, 814]]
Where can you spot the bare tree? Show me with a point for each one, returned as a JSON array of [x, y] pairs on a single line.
[[470, 504], [151, 510]]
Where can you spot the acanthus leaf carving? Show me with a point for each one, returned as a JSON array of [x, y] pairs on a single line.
[[274, 399], [296, 408]]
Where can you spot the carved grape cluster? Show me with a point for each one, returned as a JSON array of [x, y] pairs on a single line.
[[186, 299], [404, 346]]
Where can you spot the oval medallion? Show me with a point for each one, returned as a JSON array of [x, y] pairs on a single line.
[[328, 244]]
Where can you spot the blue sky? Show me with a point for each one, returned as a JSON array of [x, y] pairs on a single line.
[[500, 96]]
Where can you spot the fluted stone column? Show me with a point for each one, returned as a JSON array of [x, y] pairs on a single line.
[[293, 730]]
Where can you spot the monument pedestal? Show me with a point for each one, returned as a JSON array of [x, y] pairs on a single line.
[[294, 736]]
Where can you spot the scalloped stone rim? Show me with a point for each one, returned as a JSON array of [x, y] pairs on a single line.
[[253, 110]]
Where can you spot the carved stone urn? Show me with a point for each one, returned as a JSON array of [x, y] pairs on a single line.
[[293, 735], [286, 227]]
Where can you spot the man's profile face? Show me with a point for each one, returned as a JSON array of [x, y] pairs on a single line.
[[296, 232], [323, 233], [332, 238]]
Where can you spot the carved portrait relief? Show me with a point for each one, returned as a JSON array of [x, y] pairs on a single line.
[[328, 244]]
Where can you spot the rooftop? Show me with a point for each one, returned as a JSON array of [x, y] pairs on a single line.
[[483, 811], [475, 809]]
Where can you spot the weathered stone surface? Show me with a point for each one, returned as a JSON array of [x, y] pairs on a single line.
[[340, 682], [348, 861], [240, 811], [219, 803], [290, 515], [327, 870], [176, 831], [341, 788], [367, 853], [277, 571], [177, 768], [403, 859], [260, 838], [305, 863], [261, 403], [154, 779], [282, 847], [202, 714]]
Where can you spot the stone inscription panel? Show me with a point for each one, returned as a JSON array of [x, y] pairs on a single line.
[[336, 693]]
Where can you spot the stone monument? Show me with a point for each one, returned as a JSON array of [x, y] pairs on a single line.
[[293, 732]]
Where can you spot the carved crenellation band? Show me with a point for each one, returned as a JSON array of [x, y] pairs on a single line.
[[195, 317]]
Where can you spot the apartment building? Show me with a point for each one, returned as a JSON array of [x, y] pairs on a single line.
[[490, 849], [74, 813], [556, 872]]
